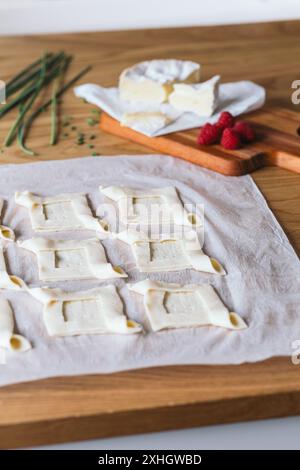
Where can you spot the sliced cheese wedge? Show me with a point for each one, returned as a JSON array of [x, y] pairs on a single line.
[[149, 122], [200, 98], [152, 81]]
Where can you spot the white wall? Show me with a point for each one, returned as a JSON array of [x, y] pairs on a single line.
[[42, 16]]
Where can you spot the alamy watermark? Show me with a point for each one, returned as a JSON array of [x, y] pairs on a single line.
[[156, 219], [2, 92], [295, 97]]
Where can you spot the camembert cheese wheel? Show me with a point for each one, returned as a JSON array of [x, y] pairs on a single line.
[[152, 81]]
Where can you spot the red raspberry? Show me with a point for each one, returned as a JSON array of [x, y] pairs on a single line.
[[245, 131], [209, 134], [230, 139], [225, 120]]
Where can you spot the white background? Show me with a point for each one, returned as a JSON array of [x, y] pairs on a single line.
[[43, 16]]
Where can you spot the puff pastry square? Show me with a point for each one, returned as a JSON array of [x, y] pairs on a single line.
[[9, 340], [6, 233], [96, 311], [175, 306], [151, 207], [8, 281], [63, 260], [169, 254], [59, 213]]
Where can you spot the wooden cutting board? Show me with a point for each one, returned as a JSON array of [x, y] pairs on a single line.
[[156, 399], [272, 147]]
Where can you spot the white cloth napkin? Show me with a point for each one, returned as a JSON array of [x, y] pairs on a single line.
[[262, 284], [237, 98]]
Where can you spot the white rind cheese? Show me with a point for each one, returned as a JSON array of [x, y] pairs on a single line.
[[150, 121], [200, 98], [152, 81]]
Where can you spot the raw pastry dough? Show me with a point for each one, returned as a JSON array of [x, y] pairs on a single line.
[[5, 232], [8, 281], [63, 260], [95, 311], [9, 340], [59, 213], [175, 306], [151, 207], [169, 253]]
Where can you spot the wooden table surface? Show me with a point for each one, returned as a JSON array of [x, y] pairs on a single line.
[[63, 409]]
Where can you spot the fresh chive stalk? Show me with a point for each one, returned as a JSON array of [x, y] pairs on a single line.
[[54, 102], [29, 78], [29, 90], [26, 126], [22, 145], [27, 69], [27, 106]]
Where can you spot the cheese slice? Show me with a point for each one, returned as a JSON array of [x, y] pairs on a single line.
[[152, 81], [149, 122], [200, 98], [96, 311], [175, 306], [9, 340]]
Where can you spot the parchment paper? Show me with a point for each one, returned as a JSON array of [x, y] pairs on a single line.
[[262, 283], [236, 97]]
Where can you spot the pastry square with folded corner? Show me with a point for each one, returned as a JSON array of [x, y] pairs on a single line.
[[10, 341], [6, 233], [96, 311], [60, 213], [152, 81], [64, 260], [169, 254], [161, 206], [8, 281], [174, 306]]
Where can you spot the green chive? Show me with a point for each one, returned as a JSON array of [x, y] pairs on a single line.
[[52, 62], [96, 111], [45, 105], [24, 94], [91, 121], [26, 107]]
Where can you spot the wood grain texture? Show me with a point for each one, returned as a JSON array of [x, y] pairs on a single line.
[[271, 147], [72, 408]]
